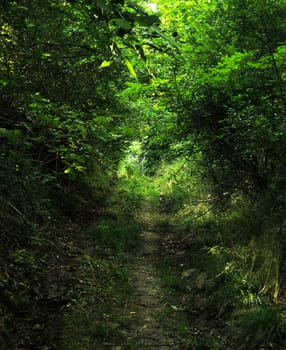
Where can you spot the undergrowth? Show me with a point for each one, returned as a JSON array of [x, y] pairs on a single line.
[[95, 320], [169, 275], [91, 320], [241, 260], [259, 326], [117, 235], [237, 253]]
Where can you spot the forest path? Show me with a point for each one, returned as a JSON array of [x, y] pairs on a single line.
[[153, 314]]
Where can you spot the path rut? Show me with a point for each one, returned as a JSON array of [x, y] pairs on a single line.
[[150, 308]]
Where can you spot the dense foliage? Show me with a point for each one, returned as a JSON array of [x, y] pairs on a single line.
[[192, 93], [62, 64], [63, 130], [225, 81]]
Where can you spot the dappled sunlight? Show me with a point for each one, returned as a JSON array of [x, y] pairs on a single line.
[[142, 174]]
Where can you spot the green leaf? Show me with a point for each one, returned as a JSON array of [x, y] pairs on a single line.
[[3, 82], [12, 135], [128, 131], [147, 21], [80, 168], [103, 5], [122, 23], [281, 49], [46, 54], [105, 64], [131, 69], [100, 119], [30, 25], [174, 307]]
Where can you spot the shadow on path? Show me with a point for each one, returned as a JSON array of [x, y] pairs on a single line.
[[151, 315]]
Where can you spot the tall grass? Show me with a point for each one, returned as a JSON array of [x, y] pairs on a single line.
[[238, 247], [259, 326]]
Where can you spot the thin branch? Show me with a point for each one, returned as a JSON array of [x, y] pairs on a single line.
[[13, 207]]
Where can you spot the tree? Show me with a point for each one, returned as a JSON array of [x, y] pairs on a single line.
[[62, 63], [225, 83]]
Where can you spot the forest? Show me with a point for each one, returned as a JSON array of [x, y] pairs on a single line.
[[142, 174]]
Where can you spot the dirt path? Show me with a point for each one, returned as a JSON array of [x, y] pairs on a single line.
[[153, 315]]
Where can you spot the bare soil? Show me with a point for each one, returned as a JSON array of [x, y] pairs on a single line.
[[152, 311], [149, 306]]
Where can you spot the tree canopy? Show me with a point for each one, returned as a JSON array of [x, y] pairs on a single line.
[[86, 85]]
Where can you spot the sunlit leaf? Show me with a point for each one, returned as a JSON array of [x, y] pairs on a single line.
[[127, 131], [80, 168], [105, 64], [3, 82], [131, 69], [46, 54]]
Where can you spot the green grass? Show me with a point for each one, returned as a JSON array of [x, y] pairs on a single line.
[[93, 317], [259, 326], [169, 276], [206, 342], [116, 234], [239, 250]]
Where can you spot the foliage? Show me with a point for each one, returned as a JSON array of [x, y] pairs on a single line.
[[91, 317], [238, 251], [62, 64], [204, 342], [259, 327], [235, 250], [223, 79], [226, 89], [169, 276], [118, 235], [63, 128], [96, 96]]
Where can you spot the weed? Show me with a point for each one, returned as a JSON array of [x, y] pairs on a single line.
[[206, 342], [99, 329], [115, 234], [258, 326], [91, 318], [180, 326], [169, 276], [25, 258]]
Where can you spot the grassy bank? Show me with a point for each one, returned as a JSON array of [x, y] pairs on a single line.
[[230, 254]]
